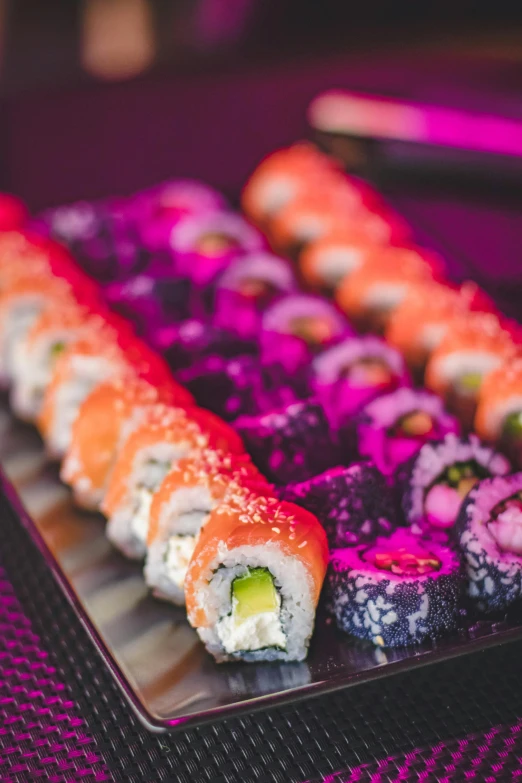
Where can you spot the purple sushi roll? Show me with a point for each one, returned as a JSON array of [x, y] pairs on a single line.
[[187, 343], [204, 245], [354, 504], [298, 326], [149, 301], [490, 534], [434, 483], [348, 375], [246, 287], [241, 386], [291, 444], [397, 591], [158, 209], [392, 428]]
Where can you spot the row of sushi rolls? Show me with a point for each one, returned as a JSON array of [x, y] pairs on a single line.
[[262, 400]]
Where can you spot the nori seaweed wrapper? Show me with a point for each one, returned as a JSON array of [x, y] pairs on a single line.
[[185, 344], [291, 444], [354, 504]]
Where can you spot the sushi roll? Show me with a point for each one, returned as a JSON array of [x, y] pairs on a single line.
[[370, 294], [281, 177], [242, 386], [434, 483], [105, 419], [490, 534], [164, 436], [397, 591], [254, 581], [152, 301], [158, 209], [204, 245], [424, 317], [34, 355], [327, 261], [499, 410], [292, 444], [474, 346], [316, 213], [296, 327], [393, 427], [184, 345], [347, 376], [354, 504], [83, 364], [180, 509], [246, 287], [13, 212], [20, 308]]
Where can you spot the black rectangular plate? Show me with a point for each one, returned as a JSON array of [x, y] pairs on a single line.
[[152, 652]]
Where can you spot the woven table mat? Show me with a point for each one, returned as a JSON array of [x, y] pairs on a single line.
[[63, 719]]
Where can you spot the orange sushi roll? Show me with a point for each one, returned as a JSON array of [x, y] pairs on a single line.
[[317, 212], [474, 345], [371, 293], [420, 322], [254, 580], [20, 307], [181, 507], [281, 177], [105, 418], [92, 358], [163, 437], [35, 354], [499, 409], [327, 261]]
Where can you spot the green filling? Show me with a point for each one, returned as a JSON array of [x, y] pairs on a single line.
[[461, 476], [470, 382], [512, 428], [57, 349], [254, 593]]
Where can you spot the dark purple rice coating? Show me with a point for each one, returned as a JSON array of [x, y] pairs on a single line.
[[241, 386], [292, 444], [395, 608], [494, 571], [354, 504], [187, 343]]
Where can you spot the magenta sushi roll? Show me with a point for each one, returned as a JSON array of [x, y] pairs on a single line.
[[298, 326], [435, 482], [490, 534], [185, 344], [290, 445], [246, 287], [397, 591], [392, 428], [204, 245], [158, 209], [348, 375], [354, 505]]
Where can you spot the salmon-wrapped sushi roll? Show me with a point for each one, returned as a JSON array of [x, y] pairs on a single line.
[[420, 322], [325, 263], [83, 364], [20, 308], [297, 326], [35, 354], [181, 507], [281, 177], [105, 418], [475, 345], [163, 437], [254, 580], [499, 409], [371, 293], [13, 212]]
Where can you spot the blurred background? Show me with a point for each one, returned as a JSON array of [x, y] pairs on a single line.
[[103, 96]]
